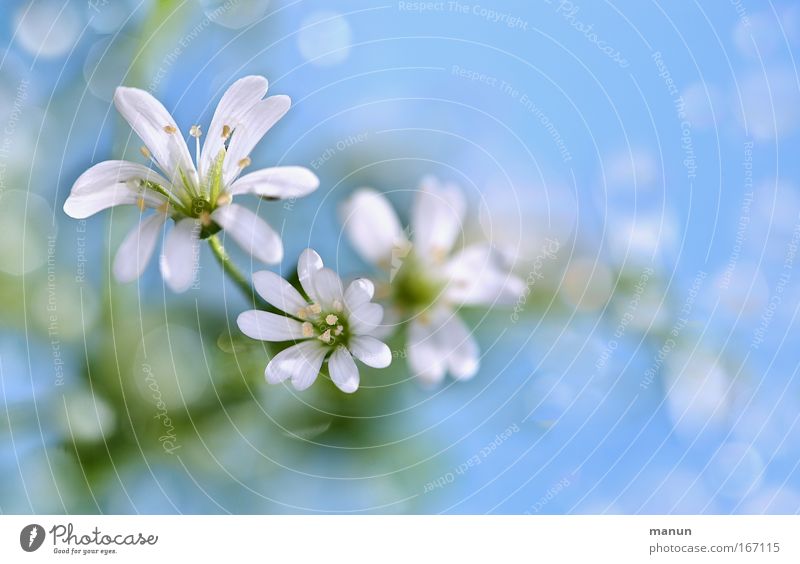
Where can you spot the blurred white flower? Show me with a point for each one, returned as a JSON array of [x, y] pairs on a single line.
[[335, 323], [428, 278], [198, 198]]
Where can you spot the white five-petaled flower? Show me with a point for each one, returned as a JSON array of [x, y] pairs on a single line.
[[198, 198], [428, 280], [332, 323]]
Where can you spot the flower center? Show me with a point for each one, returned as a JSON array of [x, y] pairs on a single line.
[[412, 287], [199, 206], [330, 327], [201, 209]]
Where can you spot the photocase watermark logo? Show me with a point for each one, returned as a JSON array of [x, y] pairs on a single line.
[[67, 540], [31, 537]]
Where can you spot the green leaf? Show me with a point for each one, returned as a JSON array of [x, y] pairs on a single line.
[[234, 344], [308, 432]]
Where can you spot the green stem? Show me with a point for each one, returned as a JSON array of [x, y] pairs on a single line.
[[230, 269]]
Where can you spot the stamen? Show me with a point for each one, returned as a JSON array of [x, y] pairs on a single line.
[[224, 199], [325, 337], [331, 319], [170, 129], [226, 131], [205, 219], [196, 132], [315, 308], [140, 203], [245, 162], [302, 313], [145, 152], [308, 329]]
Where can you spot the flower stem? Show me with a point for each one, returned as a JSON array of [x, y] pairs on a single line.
[[232, 271]]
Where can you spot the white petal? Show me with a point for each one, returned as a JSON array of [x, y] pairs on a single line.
[[359, 292], [266, 326], [106, 184], [344, 371], [255, 123], [278, 182], [373, 228], [327, 288], [278, 292], [239, 99], [136, 249], [392, 319], [250, 232], [476, 278], [460, 349], [181, 254], [152, 122], [511, 287], [308, 265], [425, 357], [300, 362], [370, 351], [436, 218], [365, 318]]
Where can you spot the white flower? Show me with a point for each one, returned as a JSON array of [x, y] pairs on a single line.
[[428, 279], [198, 198], [332, 323]]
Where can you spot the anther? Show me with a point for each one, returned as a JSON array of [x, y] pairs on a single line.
[[337, 305], [338, 331], [140, 203], [145, 152], [315, 308], [326, 336], [170, 129], [302, 313], [196, 132], [245, 162], [308, 329], [331, 319], [224, 199], [226, 131]]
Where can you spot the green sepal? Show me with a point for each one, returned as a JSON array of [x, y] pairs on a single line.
[[215, 178]]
